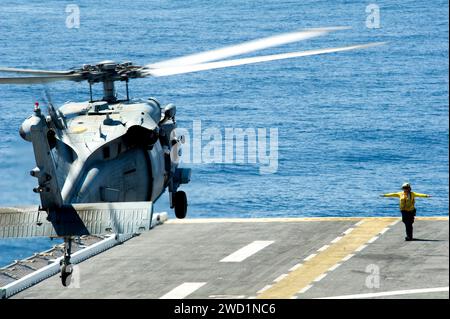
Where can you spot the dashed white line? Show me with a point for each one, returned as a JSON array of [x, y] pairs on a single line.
[[360, 248], [334, 241], [359, 223], [247, 251], [304, 289], [279, 278], [263, 289], [390, 293], [320, 277], [183, 290], [227, 296], [334, 267], [348, 231], [348, 257], [393, 223], [295, 267], [310, 257]]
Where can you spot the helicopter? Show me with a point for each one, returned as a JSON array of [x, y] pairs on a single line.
[[102, 163]]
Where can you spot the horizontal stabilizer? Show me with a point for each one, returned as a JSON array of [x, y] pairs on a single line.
[[78, 220]]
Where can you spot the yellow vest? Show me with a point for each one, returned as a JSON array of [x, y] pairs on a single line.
[[406, 202]]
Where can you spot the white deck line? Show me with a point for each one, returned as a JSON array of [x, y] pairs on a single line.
[[228, 297], [281, 277], [360, 248], [334, 241], [295, 267], [389, 293], [373, 239], [320, 277], [183, 290], [310, 257], [348, 257], [348, 231], [263, 289], [247, 251], [273, 219], [334, 267], [324, 247], [394, 223], [305, 289]]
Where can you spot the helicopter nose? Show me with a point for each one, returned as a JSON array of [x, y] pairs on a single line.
[[22, 133], [25, 128]]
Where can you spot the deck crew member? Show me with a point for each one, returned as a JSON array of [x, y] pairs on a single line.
[[407, 200]]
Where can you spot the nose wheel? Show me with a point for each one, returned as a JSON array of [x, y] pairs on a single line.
[[66, 266], [180, 204]]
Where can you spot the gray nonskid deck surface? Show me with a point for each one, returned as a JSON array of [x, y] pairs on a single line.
[[155, 263], [402, 266]]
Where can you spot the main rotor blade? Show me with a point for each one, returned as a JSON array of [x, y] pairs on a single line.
[[39, 79], [243, 48], [48, 97], [229, 63], [32, 71]]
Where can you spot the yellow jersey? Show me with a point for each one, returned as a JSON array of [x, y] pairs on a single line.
[[406, 202]]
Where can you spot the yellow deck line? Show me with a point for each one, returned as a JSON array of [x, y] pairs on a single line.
[[288, 219], [300, 278]]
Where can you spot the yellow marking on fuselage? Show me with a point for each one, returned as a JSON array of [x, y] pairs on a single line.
[[78, 129]]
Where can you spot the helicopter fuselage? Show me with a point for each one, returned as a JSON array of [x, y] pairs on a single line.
[[90, 152]]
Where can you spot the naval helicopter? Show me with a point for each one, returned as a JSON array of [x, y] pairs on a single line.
[[102, 163]]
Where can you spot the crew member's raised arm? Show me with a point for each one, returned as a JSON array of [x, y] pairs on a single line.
[[420, 195], [391, 195]]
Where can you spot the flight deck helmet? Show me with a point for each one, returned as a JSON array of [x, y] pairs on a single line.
[[406, 185]]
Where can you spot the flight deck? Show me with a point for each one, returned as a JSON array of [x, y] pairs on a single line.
[[289, 258]]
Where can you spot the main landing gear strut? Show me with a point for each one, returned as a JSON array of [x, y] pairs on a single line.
[[66, 266]]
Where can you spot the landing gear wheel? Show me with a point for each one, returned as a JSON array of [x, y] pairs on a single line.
[[66, 275], [180, 203], [66, 266]]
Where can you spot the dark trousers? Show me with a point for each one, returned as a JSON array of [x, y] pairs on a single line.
[[408, 220]]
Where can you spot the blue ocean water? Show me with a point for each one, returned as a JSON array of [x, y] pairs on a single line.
[[351, 125]]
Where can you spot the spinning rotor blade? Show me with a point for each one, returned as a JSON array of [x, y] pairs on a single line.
[[38, 79], [48, 97], [243, 48], [229, 63], [51, 110], [31, 71], [110, 71]]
